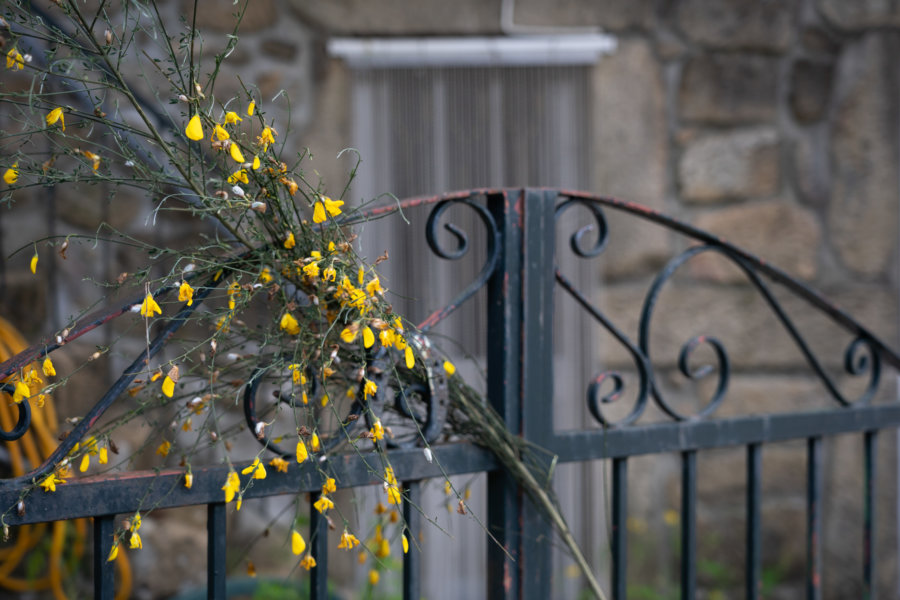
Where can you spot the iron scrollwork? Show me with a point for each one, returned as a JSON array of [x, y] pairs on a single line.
[[462, 248], [863, 355], [596, 397]]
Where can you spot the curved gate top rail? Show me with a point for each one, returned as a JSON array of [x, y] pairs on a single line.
[[519, 274]]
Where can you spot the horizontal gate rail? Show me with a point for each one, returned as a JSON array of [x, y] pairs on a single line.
[[141, 490], [700, 435]]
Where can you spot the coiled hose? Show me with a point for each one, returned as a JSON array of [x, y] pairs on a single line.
[[28, 452]]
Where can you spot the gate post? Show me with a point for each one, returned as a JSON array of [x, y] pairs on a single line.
[[520, 383]]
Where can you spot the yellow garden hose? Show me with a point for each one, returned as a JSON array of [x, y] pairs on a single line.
[[31, 449]]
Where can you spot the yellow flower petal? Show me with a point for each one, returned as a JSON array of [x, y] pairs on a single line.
[[323, 504], [298, 544], [349, 334], [236, 154], [348, 541], [410, 358], [149, 307], [332, 206], [290, 324], [15, 60], [56, 115], [449, 367], [21, 393], [186, 293], [168, 387], [113, 553], [251, 108], [34, 261], [239, 176], [194, 129], [290, 242], [405, 544], [47, 367], [368, 337], [220, 133], [12, 174], [302, 452], [255, 163], [318, 213], [266, 137]]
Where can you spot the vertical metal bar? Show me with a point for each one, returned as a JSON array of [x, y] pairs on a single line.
[[412, 516], [814, 519], [104, 574], [688, 524], [520, 317], [754, 484], [869, 450], [503, 380], [619, 529], [216, 545], [539, 281], [318, 541]]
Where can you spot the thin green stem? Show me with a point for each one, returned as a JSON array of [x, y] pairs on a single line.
[[154, 132]]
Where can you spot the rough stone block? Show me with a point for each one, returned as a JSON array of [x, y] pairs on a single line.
[[862, 213], [219, 15], [760, 393], [742, 321], [669, 46], [630, 149], [722, 474], [279, 49], [383, 17], [810, 90], [780, 233], [728, 89], [87, 207], [330, 132], [860, 14], [820, 42], [738, 164], [612, 15], [736, 24], [812, 168]]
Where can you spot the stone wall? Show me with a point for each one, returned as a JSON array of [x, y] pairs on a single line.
[[771, 124]]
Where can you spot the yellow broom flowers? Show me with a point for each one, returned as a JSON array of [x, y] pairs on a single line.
[[194, 129]]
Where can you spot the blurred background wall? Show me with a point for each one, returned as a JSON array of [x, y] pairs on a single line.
[[772, 124]]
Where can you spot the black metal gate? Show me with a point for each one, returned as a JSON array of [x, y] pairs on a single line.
[[520, 276]]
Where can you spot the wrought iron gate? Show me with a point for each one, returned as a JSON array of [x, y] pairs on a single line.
[[520, 275]]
